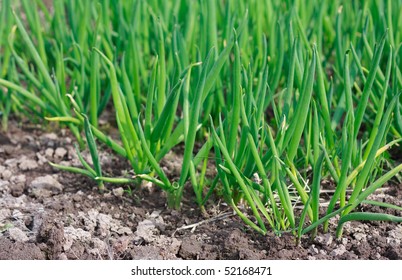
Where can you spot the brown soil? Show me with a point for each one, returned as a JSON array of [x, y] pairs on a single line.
[[48, 214]]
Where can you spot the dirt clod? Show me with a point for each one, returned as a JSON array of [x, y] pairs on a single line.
[[45, 186], [51, 233], [19, 251], [17, 235], [49, 214]]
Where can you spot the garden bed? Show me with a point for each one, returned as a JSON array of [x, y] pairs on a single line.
[[49, 214]]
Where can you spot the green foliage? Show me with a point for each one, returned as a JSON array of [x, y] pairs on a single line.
[[278, 95]]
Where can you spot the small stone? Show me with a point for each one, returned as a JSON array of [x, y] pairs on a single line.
[[60, 153], [118, 192], [17, 235]]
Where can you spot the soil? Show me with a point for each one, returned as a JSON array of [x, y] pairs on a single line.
[[49, 214]]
